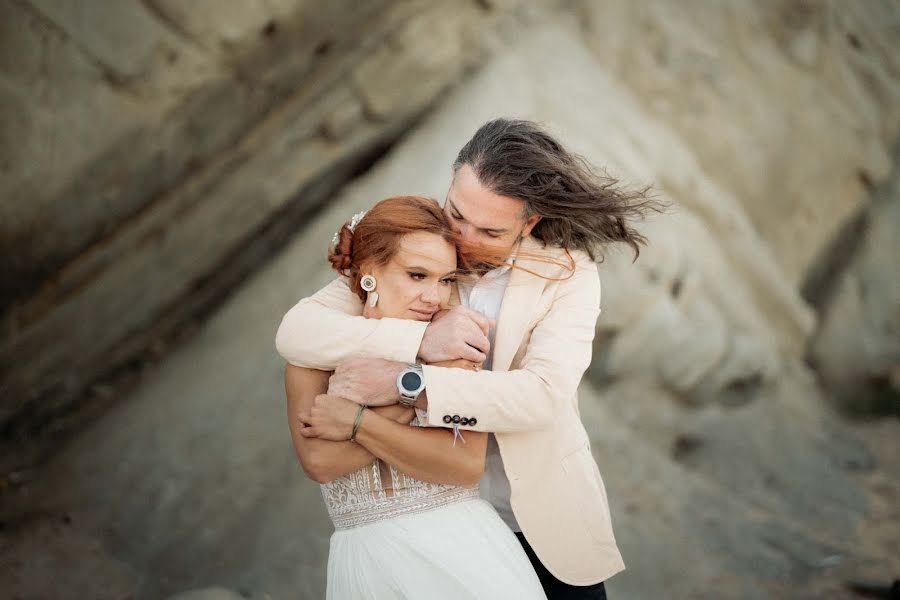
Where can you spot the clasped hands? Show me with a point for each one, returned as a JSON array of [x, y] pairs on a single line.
[[457, 337]]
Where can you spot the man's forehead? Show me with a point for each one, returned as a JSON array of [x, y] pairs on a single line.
[[480, 206]]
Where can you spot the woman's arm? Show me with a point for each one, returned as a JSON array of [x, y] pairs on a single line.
[[426, 453], [324, 460]]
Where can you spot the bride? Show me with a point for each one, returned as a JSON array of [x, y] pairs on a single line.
[[404, 499]]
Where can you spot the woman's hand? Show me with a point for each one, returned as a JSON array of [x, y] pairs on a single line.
[[329, 418]]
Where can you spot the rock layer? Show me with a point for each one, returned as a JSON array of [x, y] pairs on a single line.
[[193, 148]]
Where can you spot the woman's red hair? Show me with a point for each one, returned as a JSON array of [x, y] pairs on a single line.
[[376, 238]]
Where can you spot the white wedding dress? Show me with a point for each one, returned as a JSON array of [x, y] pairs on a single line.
[[397, 537]]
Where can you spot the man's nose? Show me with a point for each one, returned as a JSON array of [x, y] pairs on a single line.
[[465, 231]]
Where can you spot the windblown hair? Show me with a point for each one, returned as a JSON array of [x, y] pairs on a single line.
[[580, 208], [376, 238]]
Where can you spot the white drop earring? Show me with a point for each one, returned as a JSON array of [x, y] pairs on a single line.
[[368, 283]]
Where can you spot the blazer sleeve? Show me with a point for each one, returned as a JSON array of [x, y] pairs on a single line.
[[327, 329], [530, 397]]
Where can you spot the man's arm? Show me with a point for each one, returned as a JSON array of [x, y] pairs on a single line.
[[527, 398], [327, 329]]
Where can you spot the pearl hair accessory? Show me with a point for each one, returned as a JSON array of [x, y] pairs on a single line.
[[354, 221]]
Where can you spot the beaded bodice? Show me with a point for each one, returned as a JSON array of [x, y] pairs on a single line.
[[379, 491]]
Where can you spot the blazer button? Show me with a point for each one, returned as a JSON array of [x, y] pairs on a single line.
[[464, 421], [447, 419], [456, 418], [473, 421]]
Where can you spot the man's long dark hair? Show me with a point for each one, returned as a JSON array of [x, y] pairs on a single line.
[[580, 208]]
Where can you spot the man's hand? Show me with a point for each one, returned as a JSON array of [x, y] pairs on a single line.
[[458, 364], [459, 333], [371, 381], [329, 418]]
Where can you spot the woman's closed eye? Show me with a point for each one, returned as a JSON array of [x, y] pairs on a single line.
[[417, 275]]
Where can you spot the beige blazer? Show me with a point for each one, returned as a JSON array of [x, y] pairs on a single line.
[[542, 347]]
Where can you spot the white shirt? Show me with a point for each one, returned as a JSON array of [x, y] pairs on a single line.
[[486, 297]]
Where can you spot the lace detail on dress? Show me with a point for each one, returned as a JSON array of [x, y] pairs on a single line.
[[364, 496]]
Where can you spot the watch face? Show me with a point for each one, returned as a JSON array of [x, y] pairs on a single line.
[[411, 381]]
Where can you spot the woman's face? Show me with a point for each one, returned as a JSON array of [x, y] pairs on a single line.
[[416, 282]]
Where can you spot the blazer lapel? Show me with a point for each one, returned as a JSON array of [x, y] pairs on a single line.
[[519, 301]]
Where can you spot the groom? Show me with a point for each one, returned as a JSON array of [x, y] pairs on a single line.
[[516, 192]]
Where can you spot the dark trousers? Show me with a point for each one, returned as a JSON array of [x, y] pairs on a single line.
[[556, 589]]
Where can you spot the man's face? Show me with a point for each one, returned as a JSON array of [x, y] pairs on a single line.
[[483, 218]]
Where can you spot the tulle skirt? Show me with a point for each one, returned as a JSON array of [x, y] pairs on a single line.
[[456, 551]]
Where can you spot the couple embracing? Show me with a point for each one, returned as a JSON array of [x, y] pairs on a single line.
[[432, 388]]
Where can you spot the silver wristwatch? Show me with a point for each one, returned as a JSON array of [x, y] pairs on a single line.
[[410, 383]]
